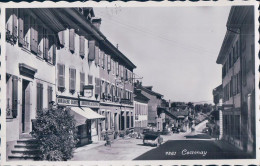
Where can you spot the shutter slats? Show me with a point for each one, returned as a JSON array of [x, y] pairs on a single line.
[[72, 40], [91, 54], [61, 38], [15, 22], [15, 96], [82, 46], [21, 27], [54, 50]]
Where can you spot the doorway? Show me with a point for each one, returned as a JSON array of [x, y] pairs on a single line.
[[25, 106]]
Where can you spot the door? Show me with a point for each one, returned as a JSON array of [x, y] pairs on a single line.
[[25, 106], [89, 130]]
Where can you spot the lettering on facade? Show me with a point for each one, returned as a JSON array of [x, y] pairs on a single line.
[[75, 102]]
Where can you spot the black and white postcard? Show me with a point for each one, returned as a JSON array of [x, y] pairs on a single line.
[[129, 83]]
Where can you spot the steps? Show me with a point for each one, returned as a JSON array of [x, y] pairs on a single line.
[[25, 149]]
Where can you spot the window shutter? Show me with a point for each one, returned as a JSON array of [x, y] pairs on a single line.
[[46, 45], [61, 76], [35, 45], [99, 59], [82, 82], [91, 53], [54, 50], [105, 60], [97, 51], [14, 96], [90, 79], [49, 92], [108, 62], [72, 40], [70, 79], [15, 22], [117, 69], [20, 27], [61, 38], [82, 46], [32, 34], [41, 95], [73, 79]]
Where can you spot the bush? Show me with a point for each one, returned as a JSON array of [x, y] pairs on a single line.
[[56, 132]]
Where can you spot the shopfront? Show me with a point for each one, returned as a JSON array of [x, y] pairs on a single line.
[[87, 117]]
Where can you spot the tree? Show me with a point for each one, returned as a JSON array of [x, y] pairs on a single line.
[[56, 133]]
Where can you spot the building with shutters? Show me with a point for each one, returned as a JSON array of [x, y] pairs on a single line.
[[237, 57], [116, 87], [140, 110], [156, 118], [30, 69]]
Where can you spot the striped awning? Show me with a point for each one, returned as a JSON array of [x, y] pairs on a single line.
[[81, 114]]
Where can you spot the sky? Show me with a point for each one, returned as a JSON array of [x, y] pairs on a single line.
[[174, 48]]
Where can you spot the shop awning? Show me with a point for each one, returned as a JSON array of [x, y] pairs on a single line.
[[81, 114]]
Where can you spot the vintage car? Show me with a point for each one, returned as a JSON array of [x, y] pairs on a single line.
[[152, 138], [205, 130], [175, 129]]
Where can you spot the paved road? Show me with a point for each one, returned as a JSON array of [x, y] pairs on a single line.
[[192, 149]]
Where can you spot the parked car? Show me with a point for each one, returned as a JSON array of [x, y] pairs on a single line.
[[205, 130], [175, 130], [153, 139], [146, 131]]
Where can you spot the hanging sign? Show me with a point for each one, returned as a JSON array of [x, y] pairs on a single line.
[[88, 90]]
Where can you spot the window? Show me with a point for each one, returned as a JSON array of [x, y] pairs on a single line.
[[14, 96], [39, 97], [82, 83], [61, 77], [72, 40], [112, 66], [82, 46], [237, 127], [49, 92], [90, 80], [11, 25], [238, 81], [23, 29], [72, 79]]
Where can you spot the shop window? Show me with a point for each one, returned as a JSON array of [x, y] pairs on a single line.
[[61, 77], [72, 78]]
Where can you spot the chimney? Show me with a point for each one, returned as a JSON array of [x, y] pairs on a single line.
[[96, 22]]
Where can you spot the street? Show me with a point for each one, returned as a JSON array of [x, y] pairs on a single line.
[[193, 145]]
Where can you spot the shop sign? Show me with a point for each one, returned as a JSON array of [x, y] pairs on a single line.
[[67, 101], [73, 102], [89, 103], [88, 90]]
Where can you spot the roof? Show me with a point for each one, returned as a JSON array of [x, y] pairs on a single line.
[[180, 113], [140, 97], [150, 91], [218, 89], [234, 22]]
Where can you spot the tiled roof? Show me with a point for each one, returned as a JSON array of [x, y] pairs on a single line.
[[151, 92]]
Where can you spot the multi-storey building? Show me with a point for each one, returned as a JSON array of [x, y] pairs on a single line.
[[156, 118], [237, 55], [59, 55], [30, 69], [116, 83], [140, 110]]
